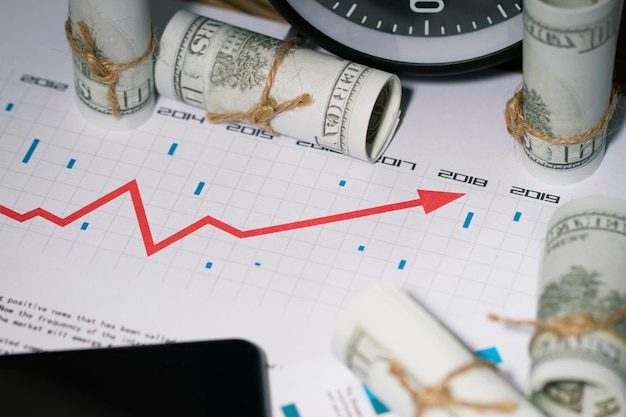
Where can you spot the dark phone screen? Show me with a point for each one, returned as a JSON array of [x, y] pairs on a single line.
[[226, 378]]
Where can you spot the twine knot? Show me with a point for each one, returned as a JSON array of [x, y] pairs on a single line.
[[102, 69], [440, 395], [574, 325], [436, 396], [517, 125], [263, 112], [268, 107], [577, 325]]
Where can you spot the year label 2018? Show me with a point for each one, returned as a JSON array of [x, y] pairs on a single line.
[[466, 179]]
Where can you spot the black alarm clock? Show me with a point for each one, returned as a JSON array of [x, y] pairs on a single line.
[[424, 37]]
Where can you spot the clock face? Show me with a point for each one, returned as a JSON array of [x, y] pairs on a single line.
[[415, 36]]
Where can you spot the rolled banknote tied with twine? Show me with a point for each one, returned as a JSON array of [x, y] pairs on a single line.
[[112, 44], [237, 74], [579, 347], [414, 365], [561, 113], [517, 126]]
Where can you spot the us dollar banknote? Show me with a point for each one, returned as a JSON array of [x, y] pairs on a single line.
[[401, 351], [122, 32], [568, 58], [582, 282], [224, 69]]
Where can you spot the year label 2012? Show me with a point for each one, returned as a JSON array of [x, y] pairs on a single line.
[[467, 179], [43, 82]]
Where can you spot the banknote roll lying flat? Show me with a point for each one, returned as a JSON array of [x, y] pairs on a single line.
[[224, 69], [579, 367], [121, 31], [383, 329]]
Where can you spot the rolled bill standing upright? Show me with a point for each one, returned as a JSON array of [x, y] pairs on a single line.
[[414, 365], [579, 351], [349, 108], [568, 58], [112, 44]]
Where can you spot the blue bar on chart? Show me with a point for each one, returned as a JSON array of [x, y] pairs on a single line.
[[379, 407], [361, 248], [491, 354], [71, 163], [9, 107], [199, 188], [342, 183], [30, 151], [208, 265], [402, 264], [257, 264], [517, 216], [84, 226], [172, 148], [468, 219], [290, 410]]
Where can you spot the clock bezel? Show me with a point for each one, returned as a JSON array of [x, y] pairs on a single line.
[[502, 52]]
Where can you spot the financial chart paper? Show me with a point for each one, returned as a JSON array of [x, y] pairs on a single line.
[[185, 230]]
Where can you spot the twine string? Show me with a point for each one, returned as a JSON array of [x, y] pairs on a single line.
[[577, 325], [102, 69], [517, 125], [268, 107], [440, 395]]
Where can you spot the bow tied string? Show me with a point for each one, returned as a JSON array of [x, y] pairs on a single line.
[[262, 113], [440, 395]]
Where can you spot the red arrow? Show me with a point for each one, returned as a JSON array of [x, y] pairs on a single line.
[[429, 200]]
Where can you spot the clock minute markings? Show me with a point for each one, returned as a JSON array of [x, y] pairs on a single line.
[[501, 10], [351, 10]]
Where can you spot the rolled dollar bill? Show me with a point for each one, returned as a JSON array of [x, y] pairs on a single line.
[[416, 366], [226, 69], [112, 44], [568, 57], [579, 360]]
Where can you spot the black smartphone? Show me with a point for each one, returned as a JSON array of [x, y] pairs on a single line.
[[222, 378]]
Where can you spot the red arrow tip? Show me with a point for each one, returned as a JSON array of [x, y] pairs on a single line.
[[432, 200]]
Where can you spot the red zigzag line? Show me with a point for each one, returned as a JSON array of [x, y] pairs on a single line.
[[152, 247]]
